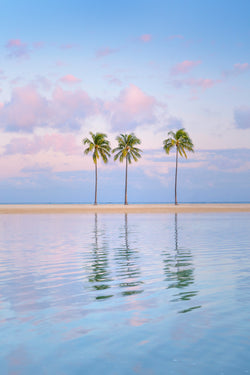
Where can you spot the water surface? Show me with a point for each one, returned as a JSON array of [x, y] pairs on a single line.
[[125, 294]]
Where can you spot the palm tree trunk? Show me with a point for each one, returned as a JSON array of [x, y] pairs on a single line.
[[126, 181], [95, 183], [176, 175]]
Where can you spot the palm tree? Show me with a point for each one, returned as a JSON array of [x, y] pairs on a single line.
[[182, 143], [101, 148], [126, 150]]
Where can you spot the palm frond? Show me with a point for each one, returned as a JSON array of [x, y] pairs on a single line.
[[99, 145], [126, 147], [86, 151], [181, 140], [168, 144], [118, 155], [181, 151]]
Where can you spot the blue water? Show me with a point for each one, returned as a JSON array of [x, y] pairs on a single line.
[[125, 294]]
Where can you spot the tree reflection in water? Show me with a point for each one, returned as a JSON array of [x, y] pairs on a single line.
[[100, 276], [128, 268], [179, 272]]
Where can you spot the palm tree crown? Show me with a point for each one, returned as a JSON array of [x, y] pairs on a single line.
[[99, 145], [101, 148], [126, 150], [182, 142]]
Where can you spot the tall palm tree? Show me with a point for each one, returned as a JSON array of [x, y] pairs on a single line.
[[101, 148], [182, 143], [126, 150]]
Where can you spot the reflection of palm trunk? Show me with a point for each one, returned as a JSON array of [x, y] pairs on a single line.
[[96, 233], [126, 232], [96, 182], [176, 175], [126, 181], [99, 276], [176, 243], [176, 232], [128, 269]]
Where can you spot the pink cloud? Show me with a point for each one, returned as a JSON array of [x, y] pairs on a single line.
[[60, 63], [242, 117], [55, 142], [17, 49], [67, 46], [38, 45], [113, 80], [69, 78], [177, 36], [15, 81], [67, 110], [203, 83], [27, 109], [14, 43], [242, 67], [2, 76], [145, 38], [102, 52], [184, 67], [42, 81], [132, 108], [238, 68]]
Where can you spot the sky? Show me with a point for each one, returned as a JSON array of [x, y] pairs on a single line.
[[147, 67]]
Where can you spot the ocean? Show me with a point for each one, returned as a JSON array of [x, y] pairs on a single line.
[[125, 294]]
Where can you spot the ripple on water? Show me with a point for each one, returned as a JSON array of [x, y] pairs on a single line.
[[132, 293]]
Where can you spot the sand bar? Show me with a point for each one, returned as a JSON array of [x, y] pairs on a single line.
[[120, 208]]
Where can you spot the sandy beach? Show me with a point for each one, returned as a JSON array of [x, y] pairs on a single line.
[[120, 208]]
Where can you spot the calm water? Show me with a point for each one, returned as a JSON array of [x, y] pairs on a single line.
[[125, 294]]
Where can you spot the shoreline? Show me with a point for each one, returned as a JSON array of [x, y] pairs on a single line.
[[121, 209]]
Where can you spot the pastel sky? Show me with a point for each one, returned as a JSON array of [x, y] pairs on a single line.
[[148, 67]]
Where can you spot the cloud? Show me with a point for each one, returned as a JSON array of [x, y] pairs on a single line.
[[67, 110], [60, 63], [242, 118], [70, 79], [102, 52], [232, 160], [203, 83], [67, 46], [241, 67], [184, 67], [172, 123], [145, 38], [25, 110], [38, 45], [37, 168], [177, 36], [132, 108], [17, 49], [2, 76], [113, 80], [43, 82], [55, 142], [238, 69]]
